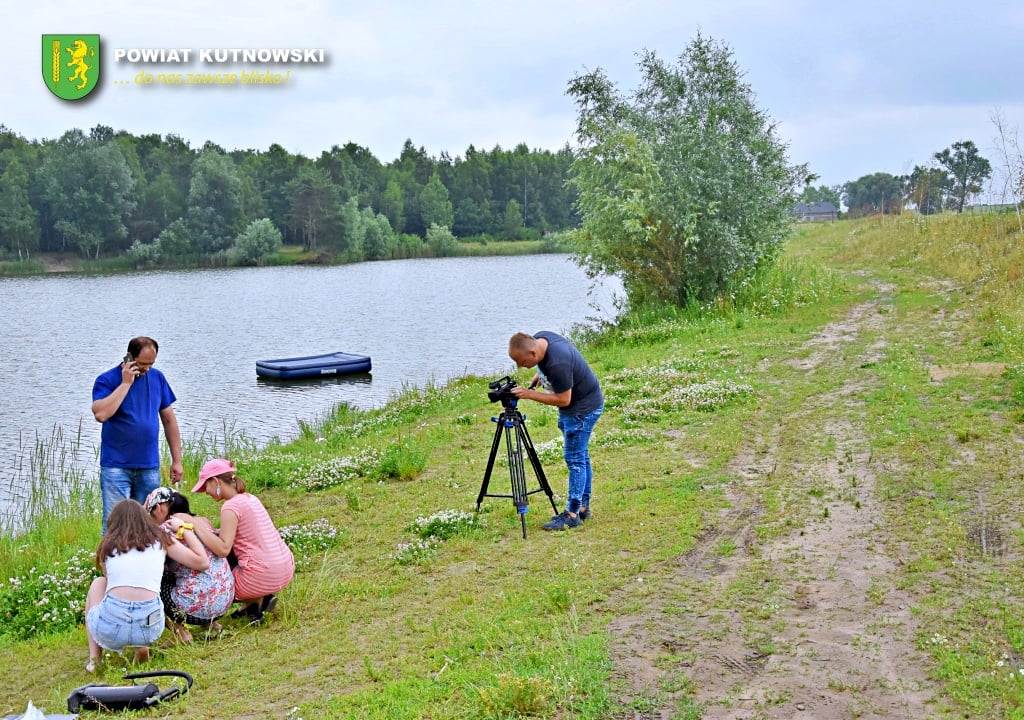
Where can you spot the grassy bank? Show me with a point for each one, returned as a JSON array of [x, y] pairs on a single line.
[[45, 263], [805, 499]]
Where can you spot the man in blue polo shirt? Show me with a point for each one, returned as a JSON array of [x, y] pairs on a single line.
[[572, 387], [132, 400]]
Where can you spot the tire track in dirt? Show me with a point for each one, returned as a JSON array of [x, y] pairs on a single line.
[[835, 639]]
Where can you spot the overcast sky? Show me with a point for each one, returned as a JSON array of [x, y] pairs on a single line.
[[856, 87]]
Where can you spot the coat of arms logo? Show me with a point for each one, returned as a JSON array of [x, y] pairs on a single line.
[[71, 65]]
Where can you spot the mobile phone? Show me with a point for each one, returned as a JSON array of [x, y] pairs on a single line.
[[127, 358]]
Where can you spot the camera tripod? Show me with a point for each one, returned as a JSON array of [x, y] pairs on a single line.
[[512, 424]]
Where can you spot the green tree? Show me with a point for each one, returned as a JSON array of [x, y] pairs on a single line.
[[136, 223], [683, 186], [470, 218], [392, 205], [253, 205], [435, 206], [341, 168], [369, 176], [471, 193], [512, 225], [822, 193], [89, 190], [314, 202], [162, 204], [967, 171], [878, 193], [214, 212], [19, 222], [378, 237], [167, 166], [275, 169], [415, 162], [350, 231], [925, 189]]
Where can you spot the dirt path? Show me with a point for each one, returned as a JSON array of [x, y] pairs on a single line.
[[834, 637]]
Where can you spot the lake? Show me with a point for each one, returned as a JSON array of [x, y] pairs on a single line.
[[421, 321]]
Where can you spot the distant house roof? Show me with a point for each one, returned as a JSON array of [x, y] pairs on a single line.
[[823, 210]]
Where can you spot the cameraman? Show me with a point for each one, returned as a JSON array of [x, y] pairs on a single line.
[[573, 388]]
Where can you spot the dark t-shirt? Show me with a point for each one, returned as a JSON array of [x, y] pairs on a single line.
[[564, 367]]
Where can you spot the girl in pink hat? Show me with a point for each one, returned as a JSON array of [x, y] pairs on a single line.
[[265, 564]]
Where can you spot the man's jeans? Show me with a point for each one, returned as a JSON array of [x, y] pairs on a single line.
[[576, 430], [119, 483]]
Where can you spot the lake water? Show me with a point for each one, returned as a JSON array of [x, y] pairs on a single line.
[[420, 321]]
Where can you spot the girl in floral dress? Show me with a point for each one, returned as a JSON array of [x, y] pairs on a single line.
[[191, 597]]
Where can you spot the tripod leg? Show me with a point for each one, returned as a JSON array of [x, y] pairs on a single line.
[[490, 464], [514, 447], [538, 470]]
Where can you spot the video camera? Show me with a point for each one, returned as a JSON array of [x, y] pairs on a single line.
[[501, 389]]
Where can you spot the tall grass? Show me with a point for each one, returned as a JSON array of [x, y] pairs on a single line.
[[977, 255], [230, 442], [16, 268], [47, 481], [50, 502]]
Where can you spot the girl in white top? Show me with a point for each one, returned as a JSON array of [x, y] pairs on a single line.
[[123, 607]]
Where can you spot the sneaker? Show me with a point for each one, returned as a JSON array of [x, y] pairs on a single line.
[[584, 514], [269, 603], [562, 521], [251, 610]]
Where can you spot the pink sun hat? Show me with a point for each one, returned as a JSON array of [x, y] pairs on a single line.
[[212, 468]]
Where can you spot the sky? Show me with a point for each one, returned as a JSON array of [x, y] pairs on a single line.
[[854, 88]]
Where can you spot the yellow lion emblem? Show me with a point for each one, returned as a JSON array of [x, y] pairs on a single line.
[[78, 54]]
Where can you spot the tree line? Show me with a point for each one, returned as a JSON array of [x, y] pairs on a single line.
[[957, 174], [681, 187], [158, 200]]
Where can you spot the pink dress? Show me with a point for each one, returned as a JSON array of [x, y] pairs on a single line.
[[265, 563]]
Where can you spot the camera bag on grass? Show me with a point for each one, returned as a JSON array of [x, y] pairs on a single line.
[[127, 697]]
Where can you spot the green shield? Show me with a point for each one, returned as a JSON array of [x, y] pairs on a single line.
[[71, 65]]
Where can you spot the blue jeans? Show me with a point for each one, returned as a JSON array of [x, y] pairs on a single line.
[[116, 624], [576, 430], [116, 484]]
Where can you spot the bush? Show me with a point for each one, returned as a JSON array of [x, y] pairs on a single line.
[[441, 241], [254, 244], [145, 254]]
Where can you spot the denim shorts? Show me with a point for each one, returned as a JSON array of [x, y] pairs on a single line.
[[116, 624]]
